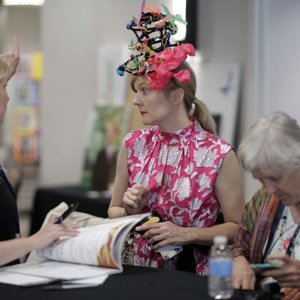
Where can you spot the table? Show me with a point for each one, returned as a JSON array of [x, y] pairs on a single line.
[[46, 198], [135, 283]]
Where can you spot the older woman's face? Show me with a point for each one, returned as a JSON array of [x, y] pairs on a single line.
[[285, 185]]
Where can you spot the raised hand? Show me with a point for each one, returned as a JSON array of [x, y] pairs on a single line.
[[135, 199], [12, 58]]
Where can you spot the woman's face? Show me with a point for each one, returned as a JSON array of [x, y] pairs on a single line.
[[3, 99], [155, 108], [285, 185]]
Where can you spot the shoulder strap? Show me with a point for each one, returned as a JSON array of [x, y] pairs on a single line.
[[273, 228]]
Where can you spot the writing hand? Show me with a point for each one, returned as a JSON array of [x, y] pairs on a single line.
[[51, 232]]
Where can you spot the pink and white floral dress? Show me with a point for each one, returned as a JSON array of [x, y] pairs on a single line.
[[180, 169]]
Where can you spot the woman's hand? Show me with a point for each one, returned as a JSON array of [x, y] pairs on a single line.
[[243, 276], [51, 232], [135, 199], [288, 272], [12, 58], [163, 233]]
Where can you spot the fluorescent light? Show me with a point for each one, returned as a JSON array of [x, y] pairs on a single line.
[[179, 7], [23, 2]]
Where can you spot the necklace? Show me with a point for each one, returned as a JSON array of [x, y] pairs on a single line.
[[283, 229]]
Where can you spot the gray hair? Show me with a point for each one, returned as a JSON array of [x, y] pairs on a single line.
[[271, 144]]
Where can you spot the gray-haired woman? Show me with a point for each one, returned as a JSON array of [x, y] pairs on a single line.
[[270, 226]]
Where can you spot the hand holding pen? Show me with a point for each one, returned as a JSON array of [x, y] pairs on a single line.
[[72, 207], [54, 230]]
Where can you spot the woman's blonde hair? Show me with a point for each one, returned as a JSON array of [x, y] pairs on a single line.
[[191, 102], [4, 69]]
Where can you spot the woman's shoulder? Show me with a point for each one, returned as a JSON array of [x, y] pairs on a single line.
[[211, 140], [140, 134], [141, 131], [260, 197], [218, 140]]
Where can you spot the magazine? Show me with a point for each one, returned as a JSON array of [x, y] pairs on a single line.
[[99, 245], [94, 254]]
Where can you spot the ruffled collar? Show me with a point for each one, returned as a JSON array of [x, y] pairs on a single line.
[[179, 135]]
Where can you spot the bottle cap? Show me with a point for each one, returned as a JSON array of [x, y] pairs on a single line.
[[220, 240]]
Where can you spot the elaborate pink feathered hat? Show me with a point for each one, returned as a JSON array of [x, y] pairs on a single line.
[[154, 55]]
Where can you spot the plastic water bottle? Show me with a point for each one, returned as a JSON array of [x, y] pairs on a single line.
[[220, 270]]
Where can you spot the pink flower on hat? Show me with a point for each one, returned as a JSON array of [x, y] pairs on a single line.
[[163, 64]]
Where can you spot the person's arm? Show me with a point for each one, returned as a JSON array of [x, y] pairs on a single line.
[[17, 248], [12, 58], [126, 200], [116, 208], [243, 276], [229, 190]]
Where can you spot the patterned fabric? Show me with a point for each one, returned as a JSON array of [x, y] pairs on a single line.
[[254, 228], [253, 231], [291, 294], [180, 169], [284, 234]]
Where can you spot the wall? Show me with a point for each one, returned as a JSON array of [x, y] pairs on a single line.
[[261, 34], [273, 62], [72, 30], [24, 22], [15, 21], [228, 32], [281, 48]]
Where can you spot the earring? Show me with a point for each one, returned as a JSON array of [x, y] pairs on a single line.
[[191, 112]]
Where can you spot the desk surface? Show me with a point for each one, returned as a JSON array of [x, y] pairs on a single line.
[[134, 283]]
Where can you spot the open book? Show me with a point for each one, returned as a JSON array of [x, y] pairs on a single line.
[[95, 252]]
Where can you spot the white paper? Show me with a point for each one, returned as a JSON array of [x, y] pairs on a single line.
[[29, 280], [61, 270], [90, 281], [22, 279]]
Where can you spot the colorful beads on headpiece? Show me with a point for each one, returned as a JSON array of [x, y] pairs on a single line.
[[154, 55]]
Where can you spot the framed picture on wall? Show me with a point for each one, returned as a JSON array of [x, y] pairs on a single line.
[[25, 148], [104, 133], [24, 92], [25, 120]]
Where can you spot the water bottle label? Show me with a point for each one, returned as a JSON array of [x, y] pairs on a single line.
[[220, 267]]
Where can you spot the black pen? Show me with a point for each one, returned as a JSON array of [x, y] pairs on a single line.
[[66, 286], [72, 207]]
